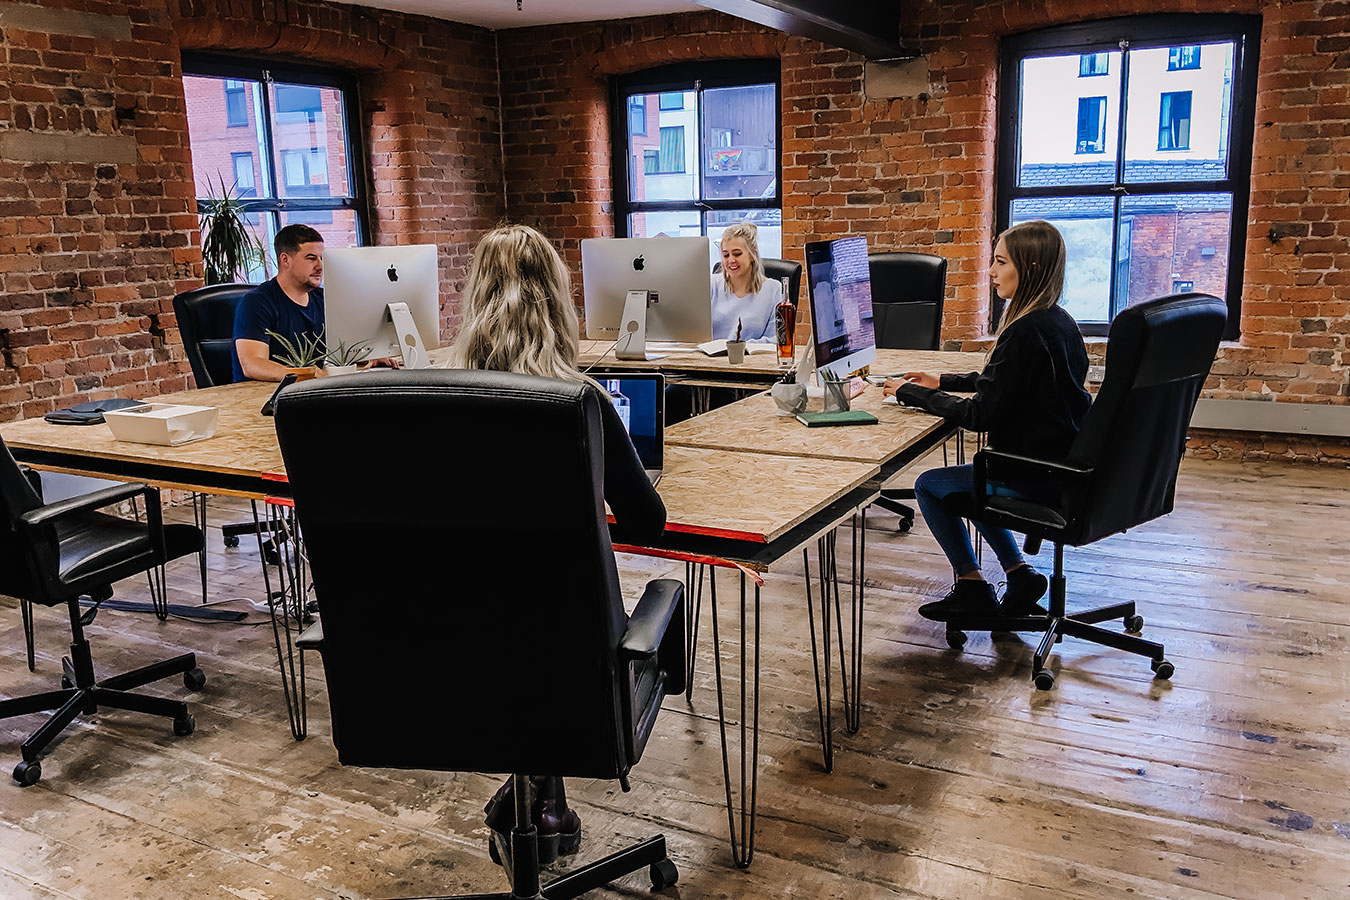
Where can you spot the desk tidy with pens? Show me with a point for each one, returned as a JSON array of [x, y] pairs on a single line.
[[838, 392]]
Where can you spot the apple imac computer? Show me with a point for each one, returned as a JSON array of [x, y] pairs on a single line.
[[641, 289], [841, 306], [387, 296]]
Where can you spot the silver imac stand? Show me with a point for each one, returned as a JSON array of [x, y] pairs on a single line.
[[632, 342], [409, 339]]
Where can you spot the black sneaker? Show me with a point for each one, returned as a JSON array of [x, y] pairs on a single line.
[[968, 599], [1025, 587]]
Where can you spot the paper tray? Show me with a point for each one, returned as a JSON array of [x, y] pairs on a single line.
[[168, 424]]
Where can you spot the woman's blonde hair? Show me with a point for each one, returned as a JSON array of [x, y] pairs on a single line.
[[1036, 251], [517, 308], [748, 234]]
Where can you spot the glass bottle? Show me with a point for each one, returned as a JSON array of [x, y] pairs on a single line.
[[785, 323]]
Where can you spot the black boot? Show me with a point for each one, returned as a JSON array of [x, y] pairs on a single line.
[[969, 598], [557, 826], [1025, 587]]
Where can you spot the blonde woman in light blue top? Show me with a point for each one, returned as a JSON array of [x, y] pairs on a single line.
[[740, 292]]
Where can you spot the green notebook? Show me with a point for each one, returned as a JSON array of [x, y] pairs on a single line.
[[846, 417]]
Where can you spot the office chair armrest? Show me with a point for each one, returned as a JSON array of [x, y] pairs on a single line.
[[650, 619], [1013, 465], [311, 638], [34, 478], [52, 512]]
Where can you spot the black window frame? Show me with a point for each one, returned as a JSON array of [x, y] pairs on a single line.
[[265, 71], [1138, 33], [681, 77]]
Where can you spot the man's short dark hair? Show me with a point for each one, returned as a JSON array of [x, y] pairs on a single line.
[[289, 239]]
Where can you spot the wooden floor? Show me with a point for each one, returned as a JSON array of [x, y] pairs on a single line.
[[1230, 781]]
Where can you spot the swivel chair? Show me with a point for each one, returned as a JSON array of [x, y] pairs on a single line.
[[440, 651], [56, 554], [1120, 472], [907, 295], [206, 321]]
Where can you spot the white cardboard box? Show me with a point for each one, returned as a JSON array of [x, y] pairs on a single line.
[[163, 423]]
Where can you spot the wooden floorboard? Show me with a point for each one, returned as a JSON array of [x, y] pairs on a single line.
[[1228, 782]]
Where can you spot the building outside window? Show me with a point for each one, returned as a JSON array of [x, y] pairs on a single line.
[[1146, 171], [710, 160], [637, 115], [1091, 125], [292, 159], [1183, 58], [1090, 64], [1174, 121]]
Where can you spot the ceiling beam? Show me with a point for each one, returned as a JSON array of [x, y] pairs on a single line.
[[872, 28]]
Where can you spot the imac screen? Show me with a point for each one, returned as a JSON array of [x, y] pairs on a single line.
[[841, 298]]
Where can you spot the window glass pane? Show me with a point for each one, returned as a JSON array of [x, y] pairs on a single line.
[[309, 133], [338, 226], [740, 142], [1179, 117], [677, 223], [217, 146], [674, 101], [1050, 125], [637, 114], [662, 159], [1090, 64], [1176, 242], [769, 222], [263, 227], [1086, 223]]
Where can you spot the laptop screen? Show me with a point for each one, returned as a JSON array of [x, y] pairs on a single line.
[[640, 401]]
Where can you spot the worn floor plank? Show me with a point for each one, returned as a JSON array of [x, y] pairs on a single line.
[[1228, 782]]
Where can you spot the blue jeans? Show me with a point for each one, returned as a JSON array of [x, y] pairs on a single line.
[[931, 488]]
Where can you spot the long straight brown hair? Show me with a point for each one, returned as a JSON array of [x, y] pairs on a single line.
[[1036, 250]]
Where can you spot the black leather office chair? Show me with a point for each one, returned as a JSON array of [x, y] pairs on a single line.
[[206, 321], [777, 270], [55, 554], [1121, 471], [907, 296], [474, 621]]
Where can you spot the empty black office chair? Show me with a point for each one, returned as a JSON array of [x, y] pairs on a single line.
[[206, 321], [474, 621], [1120, 472], [55, 554], [777, 270], [907, 295]]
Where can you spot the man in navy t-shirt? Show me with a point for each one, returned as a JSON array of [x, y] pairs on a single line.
[[290, 304]]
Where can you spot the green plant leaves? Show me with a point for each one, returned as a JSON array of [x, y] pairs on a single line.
[[229, 248]]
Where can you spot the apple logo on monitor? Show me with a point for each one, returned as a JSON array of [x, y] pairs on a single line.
[[638, 264], [392, 273]]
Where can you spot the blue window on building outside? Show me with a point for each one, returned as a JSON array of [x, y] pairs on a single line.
[[1094, 64], [1174, 121], [1091, 125], [637, 114], [1183, 58], [236, 103]]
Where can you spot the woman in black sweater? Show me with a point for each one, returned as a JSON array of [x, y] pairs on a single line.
[[1030, 399], [518, 317]]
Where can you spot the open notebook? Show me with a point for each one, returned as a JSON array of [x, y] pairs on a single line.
[[719, 347]]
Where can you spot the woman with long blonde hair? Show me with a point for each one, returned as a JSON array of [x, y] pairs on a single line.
[[1030, 399], [518, 316], [740, 292]]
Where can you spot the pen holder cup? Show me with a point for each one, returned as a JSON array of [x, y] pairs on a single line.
[[836, 395]]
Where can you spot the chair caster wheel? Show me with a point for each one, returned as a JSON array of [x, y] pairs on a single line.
[[663, 873], [184, 726], [904, 524], [27, 773], [1044, 680], [956, 639], [1134, 624], [194, 679], [231, 540], [1162, 668]]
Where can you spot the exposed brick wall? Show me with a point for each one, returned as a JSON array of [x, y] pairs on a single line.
[[93, 248]]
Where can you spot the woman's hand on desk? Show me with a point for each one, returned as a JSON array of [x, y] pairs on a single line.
[[923, 379]]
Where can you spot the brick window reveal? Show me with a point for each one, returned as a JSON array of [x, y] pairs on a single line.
[[1145, 170], [293, 162]]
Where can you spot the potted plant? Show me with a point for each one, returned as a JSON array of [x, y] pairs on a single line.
[[736, 347], [305, 355], [229, 248], [345, 359]]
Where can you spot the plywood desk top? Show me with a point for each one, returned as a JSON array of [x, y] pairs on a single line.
[[244, 445], [753, 424], [759, 365], [750, 496]]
